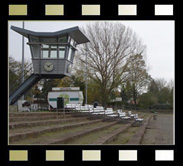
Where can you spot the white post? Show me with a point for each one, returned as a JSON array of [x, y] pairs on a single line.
[[86, 86], [22, 58]]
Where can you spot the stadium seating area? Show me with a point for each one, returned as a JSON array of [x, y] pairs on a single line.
[[107, 114]]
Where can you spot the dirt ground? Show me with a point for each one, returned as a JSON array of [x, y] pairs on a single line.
[[159, 131]]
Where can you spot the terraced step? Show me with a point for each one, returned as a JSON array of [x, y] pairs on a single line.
[[103, 136], [33, 132], [15, 125], [112, 135], [70, 137], [55, 128], [36, 118], [19, 114], [137, 137]]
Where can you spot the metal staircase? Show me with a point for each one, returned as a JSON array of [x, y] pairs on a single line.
[[24, 87], [17, 89]]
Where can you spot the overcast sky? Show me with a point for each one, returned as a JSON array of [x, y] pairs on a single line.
[[158, 36]]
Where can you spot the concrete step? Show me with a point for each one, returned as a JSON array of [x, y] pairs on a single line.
[[15, 125], [137, 137], [70, 137], [19, 114], [15, 136], [36, 118], [112, 135]]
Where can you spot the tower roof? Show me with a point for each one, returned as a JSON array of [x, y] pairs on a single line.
[[74, 32]]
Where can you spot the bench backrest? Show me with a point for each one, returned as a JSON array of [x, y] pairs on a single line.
[[109, 111], [136, 116], [119, 111], [98, 110], [122, 114]]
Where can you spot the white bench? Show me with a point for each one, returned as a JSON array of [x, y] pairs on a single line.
[[138, 121], [95, 113], [98, 111], [131, 115], [136, 117], [123, 117], [110, 114]]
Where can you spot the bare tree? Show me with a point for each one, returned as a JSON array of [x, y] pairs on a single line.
[[109, 53], [161, 83]]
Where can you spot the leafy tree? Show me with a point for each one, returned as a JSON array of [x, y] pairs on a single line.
[[36, 91], [47, 85], [15, 75], [147, 99], [64, 82], [164, 95], [138, 76], [126, 92], [159, 93]]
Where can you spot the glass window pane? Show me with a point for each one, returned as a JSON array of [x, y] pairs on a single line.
[[45, 53], [72, 57], [61, 52], [53, 47], [53, 54], [69, 54], [45, 50], [35, 51], [45, 46]]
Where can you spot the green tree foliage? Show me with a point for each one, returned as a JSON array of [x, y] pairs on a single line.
[[47, 85], [15, 75], [138, 76], [36, 91], [148, 99], [159, 93], [126, 92]]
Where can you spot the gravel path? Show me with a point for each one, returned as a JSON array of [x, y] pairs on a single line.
[[159, 131]]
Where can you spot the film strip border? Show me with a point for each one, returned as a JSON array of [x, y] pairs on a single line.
[[90, 10], [18, 155], [90, 155]]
